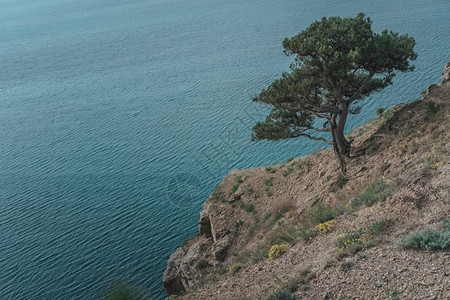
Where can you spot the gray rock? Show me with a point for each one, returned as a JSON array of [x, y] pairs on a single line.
[[220, 248], [431, 88], [181, 272]]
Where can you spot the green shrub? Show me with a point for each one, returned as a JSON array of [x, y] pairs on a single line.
[[235, 188], [124, 291], [428, 239]]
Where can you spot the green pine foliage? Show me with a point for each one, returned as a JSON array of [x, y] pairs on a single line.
[[337, 63]]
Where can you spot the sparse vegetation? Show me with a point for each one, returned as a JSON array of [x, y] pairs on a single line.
[[378, 227], [271, 170], [321, 213], [378, 191]]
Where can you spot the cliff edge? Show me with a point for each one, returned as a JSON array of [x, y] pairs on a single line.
[[303, 231]]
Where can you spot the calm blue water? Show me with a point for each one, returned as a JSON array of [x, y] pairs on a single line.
[[118, 118]]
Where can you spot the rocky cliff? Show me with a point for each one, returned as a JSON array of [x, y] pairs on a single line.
[[345, 236]]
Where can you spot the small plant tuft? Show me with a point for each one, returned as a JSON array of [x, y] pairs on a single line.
[[268, 181], [281, 294], [347, 266], [341, 180], [271, 170], [288, 171], [290, 159], [250, 208]]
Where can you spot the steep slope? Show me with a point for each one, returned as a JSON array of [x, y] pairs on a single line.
[[344, 235]]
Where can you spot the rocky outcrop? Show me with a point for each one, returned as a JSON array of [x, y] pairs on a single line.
[[431, 88], [211, 246], [181, 272]]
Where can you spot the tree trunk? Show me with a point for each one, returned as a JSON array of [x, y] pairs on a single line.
[[338, 151], [340, 144]]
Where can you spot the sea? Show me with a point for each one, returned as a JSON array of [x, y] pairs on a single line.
[[119, 117]]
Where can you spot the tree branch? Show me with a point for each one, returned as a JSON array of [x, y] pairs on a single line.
[[297, 134], [361, 89]]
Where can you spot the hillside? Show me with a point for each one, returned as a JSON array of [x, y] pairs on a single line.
[[345, 238]]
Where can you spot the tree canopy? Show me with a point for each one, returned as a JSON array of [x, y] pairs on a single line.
[[337, 63]]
